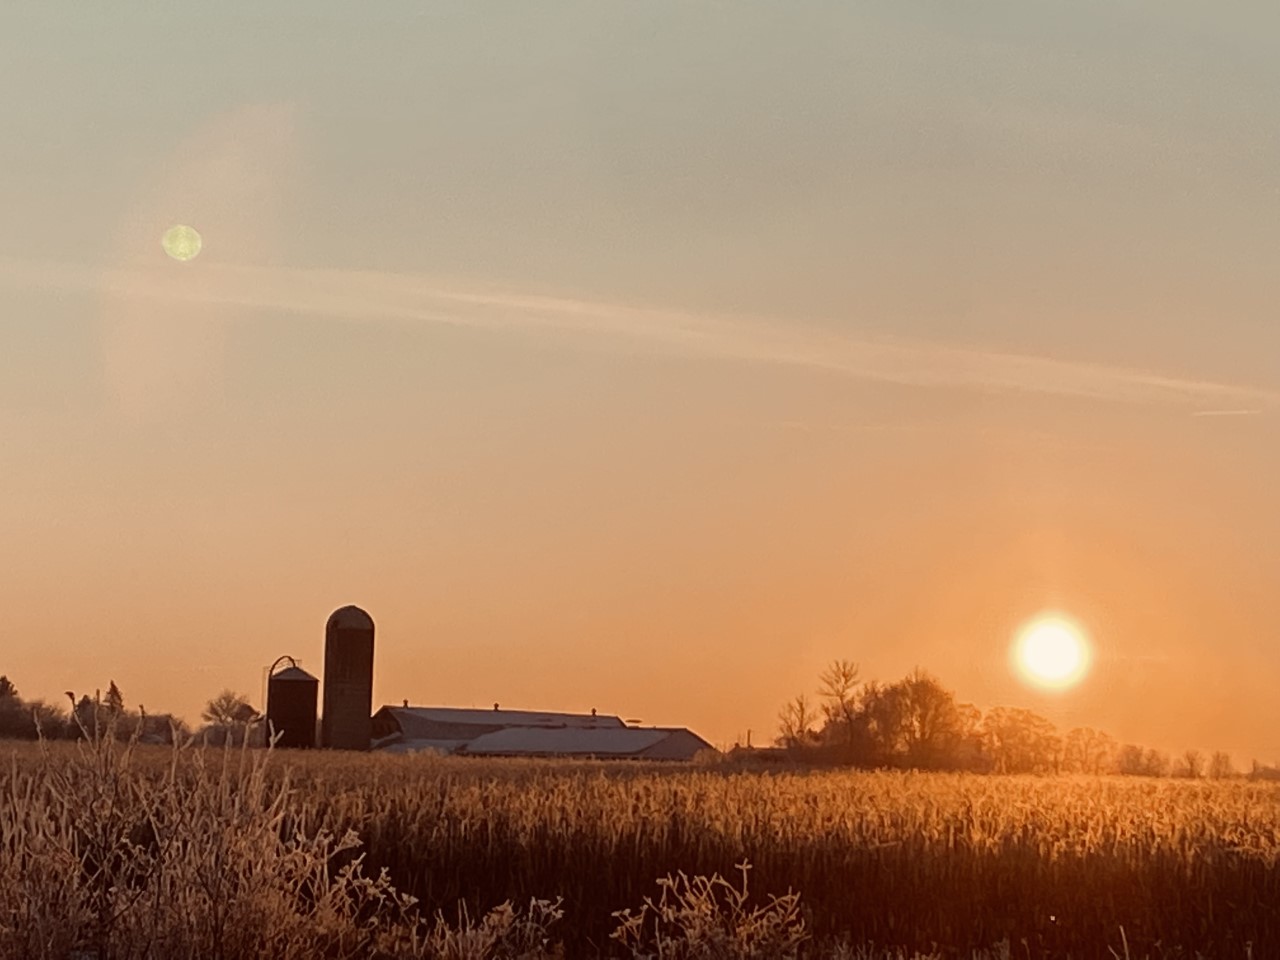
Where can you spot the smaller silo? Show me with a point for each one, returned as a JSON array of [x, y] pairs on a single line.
[[292, 694]]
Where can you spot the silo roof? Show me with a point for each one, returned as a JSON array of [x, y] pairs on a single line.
[[293, 673], [350, 618]]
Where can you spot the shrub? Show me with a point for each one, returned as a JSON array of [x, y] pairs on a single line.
[[708, 918]]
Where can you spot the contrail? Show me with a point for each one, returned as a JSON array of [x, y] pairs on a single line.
[[1249, 412], [359, 295]]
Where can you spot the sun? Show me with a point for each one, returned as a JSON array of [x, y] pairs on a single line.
[[1052, 651], [182, 242]]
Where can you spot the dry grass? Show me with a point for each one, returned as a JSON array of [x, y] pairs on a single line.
[[106, 856], [116, 852]]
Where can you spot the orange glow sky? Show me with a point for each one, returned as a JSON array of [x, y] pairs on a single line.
[[646, 357]]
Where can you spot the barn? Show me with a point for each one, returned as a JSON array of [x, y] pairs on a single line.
[[528, 733]]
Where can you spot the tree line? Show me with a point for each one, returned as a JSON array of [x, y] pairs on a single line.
[[228, 716], [916, 723]]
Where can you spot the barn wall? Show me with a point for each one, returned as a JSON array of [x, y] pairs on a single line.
[[677, 745]]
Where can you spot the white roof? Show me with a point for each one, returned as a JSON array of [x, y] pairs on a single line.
[[621, 741], [507, 718]]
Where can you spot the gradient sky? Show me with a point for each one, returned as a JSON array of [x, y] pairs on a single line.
[[646, 355]]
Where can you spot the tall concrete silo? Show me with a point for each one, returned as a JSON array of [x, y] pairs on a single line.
[[348, 680], [291, 705]]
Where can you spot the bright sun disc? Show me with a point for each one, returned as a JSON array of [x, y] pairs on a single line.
[[181, 242], [1051, 652]]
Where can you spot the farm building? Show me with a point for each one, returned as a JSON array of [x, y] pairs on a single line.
[[292, 697], [524, 733]]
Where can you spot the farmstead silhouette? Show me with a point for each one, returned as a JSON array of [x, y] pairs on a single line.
[[348, 722]]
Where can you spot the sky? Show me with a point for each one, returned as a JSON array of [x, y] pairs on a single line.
[[646, 356]]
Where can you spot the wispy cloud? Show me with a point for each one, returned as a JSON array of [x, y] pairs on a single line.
[[357, 295], [1240, 412]]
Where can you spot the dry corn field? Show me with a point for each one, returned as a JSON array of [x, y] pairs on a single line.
[[114, 853]]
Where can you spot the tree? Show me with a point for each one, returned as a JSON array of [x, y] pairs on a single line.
[[114, 700], [842, 731], [230, 718], [47, 720], [1086, 750], [84, 717], [1191, 764], [969, 750], [932, 724], [1220, 766], [884, 721], [162, 728], [1155, 763], [1261, 771], [1020, 741], [14, 718], [1129, 760], [1134, 761], [839, 692], [795, 722], [24, 720], [229, 709]]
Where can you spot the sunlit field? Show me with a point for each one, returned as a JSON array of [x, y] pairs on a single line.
[[151, 852]]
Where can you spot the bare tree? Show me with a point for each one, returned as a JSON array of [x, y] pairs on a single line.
[[840, 682], [230, 718], [795, 722], [228, 709], [839, 692]]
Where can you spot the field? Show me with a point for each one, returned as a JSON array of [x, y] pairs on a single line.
[[112, 852]]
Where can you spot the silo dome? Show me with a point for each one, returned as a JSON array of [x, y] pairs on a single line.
[[349, 618], [348, 680]]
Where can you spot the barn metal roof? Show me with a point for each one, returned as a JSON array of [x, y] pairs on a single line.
[[503, 718], [622, 741], [531, 733]]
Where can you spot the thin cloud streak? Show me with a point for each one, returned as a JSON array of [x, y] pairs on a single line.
[[378, 296], [1250, 412]]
